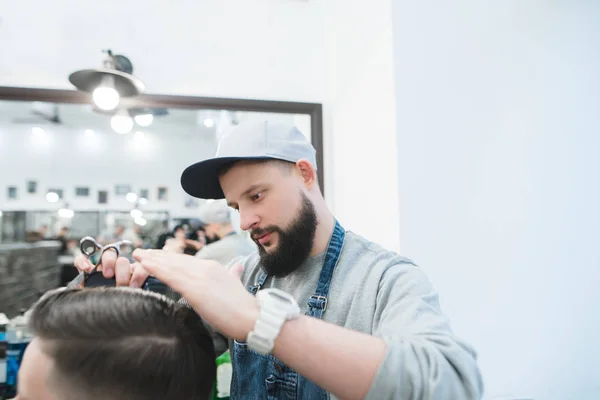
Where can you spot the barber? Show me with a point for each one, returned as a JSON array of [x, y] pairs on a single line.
[[334, 313]]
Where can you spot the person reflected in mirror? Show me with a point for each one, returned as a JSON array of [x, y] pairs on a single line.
[[197, 238], [227, 244], [179, 243], [63, 238], [110, 237]]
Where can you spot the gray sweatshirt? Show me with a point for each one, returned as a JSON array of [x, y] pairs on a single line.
[[226, 249], [378, 292]]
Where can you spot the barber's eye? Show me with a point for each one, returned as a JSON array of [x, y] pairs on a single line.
[[256, 196]]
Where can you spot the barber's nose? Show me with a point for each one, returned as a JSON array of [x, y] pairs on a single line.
[[248, 220]]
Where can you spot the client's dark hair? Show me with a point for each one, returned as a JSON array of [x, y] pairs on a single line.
[[121, 343]]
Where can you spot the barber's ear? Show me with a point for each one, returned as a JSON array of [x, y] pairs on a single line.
[[307, 172]]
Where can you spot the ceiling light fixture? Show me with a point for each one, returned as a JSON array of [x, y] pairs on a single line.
[[52, 197], [140, 221], [109, 83], [135, 213], [131, 197], [66, 212], [144, 119]]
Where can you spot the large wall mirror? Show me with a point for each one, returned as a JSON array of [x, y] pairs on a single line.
[[66, 164]]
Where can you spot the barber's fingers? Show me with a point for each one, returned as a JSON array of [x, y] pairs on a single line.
[[138, 254], [154, 268], [139, 275], [175, 270], [122, 271], [82, 263], [109, 261]]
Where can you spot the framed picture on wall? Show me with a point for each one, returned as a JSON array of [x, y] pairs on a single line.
[[102, 196], [82, 191], [31, 187], [11, 193], [162, 193], [122, 190]]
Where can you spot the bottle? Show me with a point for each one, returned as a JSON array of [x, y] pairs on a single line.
[[4, 321], [18, 338], [224, 373], [3, 347]]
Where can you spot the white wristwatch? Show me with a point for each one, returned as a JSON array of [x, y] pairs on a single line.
[[276, 307]]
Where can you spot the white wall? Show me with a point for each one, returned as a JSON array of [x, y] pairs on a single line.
[[360, 148], [499, 181], [263, 49]]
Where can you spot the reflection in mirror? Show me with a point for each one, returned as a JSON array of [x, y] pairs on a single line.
[[70, 171], [75, 168]]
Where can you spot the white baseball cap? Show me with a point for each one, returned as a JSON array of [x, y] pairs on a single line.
[[252, 140], [215, 212]]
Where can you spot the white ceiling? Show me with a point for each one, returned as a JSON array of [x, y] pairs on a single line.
[[266, 49]]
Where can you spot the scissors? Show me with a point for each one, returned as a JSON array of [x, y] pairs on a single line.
[[89, 246]]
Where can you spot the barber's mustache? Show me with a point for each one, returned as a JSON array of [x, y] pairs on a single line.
[[258, 232]]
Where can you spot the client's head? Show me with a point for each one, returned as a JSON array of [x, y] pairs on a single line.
[[115, 343]]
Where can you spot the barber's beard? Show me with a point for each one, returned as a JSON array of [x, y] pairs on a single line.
[[294, 243]]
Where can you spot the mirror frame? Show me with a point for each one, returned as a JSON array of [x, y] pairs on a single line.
[[315, 110]]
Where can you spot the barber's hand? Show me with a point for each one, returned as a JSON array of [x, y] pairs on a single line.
[[196, 244], [174, 245], [125, 273], [215, 293]]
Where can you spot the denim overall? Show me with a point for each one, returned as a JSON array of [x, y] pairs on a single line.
[[264, 377]]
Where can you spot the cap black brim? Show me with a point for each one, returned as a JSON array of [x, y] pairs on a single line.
[[202, 179]]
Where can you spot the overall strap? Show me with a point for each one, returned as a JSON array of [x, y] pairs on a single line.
[[317, 303], [262, 277]]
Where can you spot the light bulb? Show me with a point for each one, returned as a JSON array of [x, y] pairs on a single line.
[[135, 213], [66, 213], [131, 197], [144, 119], [121, 123], [52, 197], [140, 221], [37, 131], [209, 122], [106, 97]]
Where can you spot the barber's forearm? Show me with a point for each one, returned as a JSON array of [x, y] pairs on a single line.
[[339, 360]]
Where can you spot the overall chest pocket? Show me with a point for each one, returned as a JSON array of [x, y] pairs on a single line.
[[257, 376]]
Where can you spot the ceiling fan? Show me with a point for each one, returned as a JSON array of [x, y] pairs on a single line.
[[41, 113]]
